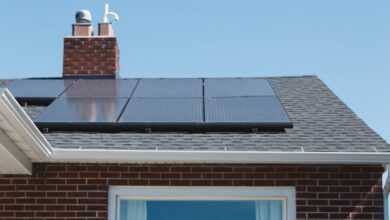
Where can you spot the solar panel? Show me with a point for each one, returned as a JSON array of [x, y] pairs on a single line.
[[243, 101], [38, 89], [163, 110], [236, 87], [82, 110], [169, 88], [181, 104], [261, 111], [101, 88]]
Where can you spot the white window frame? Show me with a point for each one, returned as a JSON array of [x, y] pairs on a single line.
[[117, 193]]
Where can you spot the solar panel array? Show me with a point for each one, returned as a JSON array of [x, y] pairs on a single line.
[[157, 104]]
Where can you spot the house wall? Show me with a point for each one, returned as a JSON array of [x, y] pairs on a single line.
[[79, 191]]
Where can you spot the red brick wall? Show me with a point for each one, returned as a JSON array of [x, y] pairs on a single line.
[[91, 56], [79, 191]]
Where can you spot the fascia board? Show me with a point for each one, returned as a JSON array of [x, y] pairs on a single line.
[[148, 156]]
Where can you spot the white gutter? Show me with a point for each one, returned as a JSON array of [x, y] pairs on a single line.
[[386, 179], [386, 190], [150, 156]]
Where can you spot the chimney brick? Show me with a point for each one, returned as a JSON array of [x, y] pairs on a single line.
[[82, 30], [105, 29], [91, 57]]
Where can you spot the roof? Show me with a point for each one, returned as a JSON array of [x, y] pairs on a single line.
[[322, 123]]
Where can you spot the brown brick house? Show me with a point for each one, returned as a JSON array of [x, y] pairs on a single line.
[[92, 145]]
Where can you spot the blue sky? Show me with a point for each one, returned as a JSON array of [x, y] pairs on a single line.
[[346, 43]]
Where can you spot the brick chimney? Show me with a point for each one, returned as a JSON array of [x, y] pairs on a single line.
[[90, 56]]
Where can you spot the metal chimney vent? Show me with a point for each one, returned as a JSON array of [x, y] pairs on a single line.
[[83, 17]]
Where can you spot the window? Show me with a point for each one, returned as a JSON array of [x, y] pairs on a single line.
[[201, 203]]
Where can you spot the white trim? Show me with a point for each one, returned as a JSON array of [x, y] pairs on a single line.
[[22, 124], [20, 139], [386, 191], [160, 156], [12, 160], [286, 194], [386, 179]]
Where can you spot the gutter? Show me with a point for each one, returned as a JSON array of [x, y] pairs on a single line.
[[386, 179], [157, 156]]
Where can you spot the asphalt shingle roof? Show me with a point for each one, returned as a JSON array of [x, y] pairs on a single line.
[[322, 123]]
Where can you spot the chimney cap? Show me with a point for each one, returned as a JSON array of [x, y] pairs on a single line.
[[83, 17]]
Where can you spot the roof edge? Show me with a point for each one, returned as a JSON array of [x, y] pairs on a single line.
[[19, 126], [156, 156]]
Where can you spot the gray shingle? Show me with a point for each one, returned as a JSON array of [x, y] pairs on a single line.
[[322, 123]]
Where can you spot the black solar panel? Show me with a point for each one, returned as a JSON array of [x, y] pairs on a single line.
[[163, 110], [233, 87], [247, 102], [82, 110], [169, 88], [101, 88], [264, 110], [38, 89], [164, 104]]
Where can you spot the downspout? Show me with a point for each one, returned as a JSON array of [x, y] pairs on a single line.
[[385, 187]]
